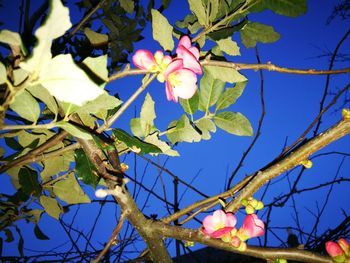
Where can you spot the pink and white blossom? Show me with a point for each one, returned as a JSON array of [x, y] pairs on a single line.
[[333, 249], [219, 224]]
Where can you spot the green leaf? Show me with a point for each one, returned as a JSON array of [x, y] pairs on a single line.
[[96, 39], [147, 115], [166, 149], [20, 242], [210, 90], [98, 65], [28, 179], [182, 131], [136, 127], [67, 82], [198, 9], [85, 169], [39, 234], [19, 75], [38, 91], [104, 101], [162, 30], [74, 130], [292, 8], [13, 39], [3, 74], [190, 106], [254, 32], [205, 125], [134, 143], [229, 46], [234, 123], [55, 25], [35, 214], [70, 191], [225, 74], [26, 106], [230, 96], [127, 5], [214, 9], [188, 20], [53, 166], [51, 206]]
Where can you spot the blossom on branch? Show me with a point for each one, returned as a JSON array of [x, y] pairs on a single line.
[[252, 227], [339, 251], [219, 224]]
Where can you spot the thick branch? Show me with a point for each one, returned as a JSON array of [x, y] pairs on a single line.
[[258, 252], [290, 161], [272, 67]]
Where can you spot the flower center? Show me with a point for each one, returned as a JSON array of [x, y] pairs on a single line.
[[174, 79], [219, 226]]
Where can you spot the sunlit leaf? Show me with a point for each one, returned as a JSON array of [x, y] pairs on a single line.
[[69, 191], [198, 9], [67, 82], [224, 74], [43, 94], [54, 166], [13, 39], [166, 149], [85, 169], [210, 90], [98, 65], [134, 143], [51, 206], [147, 114], [162, 30], [55, 25], [206, 125], [229, 46], [35, 214], [96, 39], [234, 122], [290, 8], [190, 106], [127, 5], [182, 131], [136, 127], [214, 9], [104, 101], [254, 32], [26, 106], [3, 74], [39, 234], [230, 96], [74, 130], [28, 179]]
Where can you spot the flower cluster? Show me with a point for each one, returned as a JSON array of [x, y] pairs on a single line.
[[339, 251], [179, 73], [222, 225]]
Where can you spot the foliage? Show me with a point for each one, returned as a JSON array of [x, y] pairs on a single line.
[[59, 116]]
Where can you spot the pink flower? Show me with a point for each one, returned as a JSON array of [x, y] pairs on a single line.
[[189, 55], [180, 81], [219, 224], [144, 59], [252, 227], [333, 249]]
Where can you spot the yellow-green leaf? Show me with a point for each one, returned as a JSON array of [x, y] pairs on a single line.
[[162, 30]]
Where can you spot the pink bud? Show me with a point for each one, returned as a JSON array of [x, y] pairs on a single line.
[[144, 59], [333, 249], [252, 227]]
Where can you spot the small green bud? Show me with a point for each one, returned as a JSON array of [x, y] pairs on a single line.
[[249, 209], [245, 202], [259, 206]]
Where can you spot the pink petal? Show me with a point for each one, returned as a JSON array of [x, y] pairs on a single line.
[[194, 51], [143, 59], [230, 220], [333, 249], [169, 91], [344, 244], [187, 88], [185, 41], [173, 66], [253, 226], [189, 60], [220, 232]]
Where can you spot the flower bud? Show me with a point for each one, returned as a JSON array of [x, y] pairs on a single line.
[[346, 114], [333, 249], [253, 203], [306, 163], [345, 246], [101, 193], [245, 202], [249, 209], [260, 205]]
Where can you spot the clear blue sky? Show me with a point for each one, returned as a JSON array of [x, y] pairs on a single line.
[[292, 102]]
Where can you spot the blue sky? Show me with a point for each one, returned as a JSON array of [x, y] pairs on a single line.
[[292, 102]]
